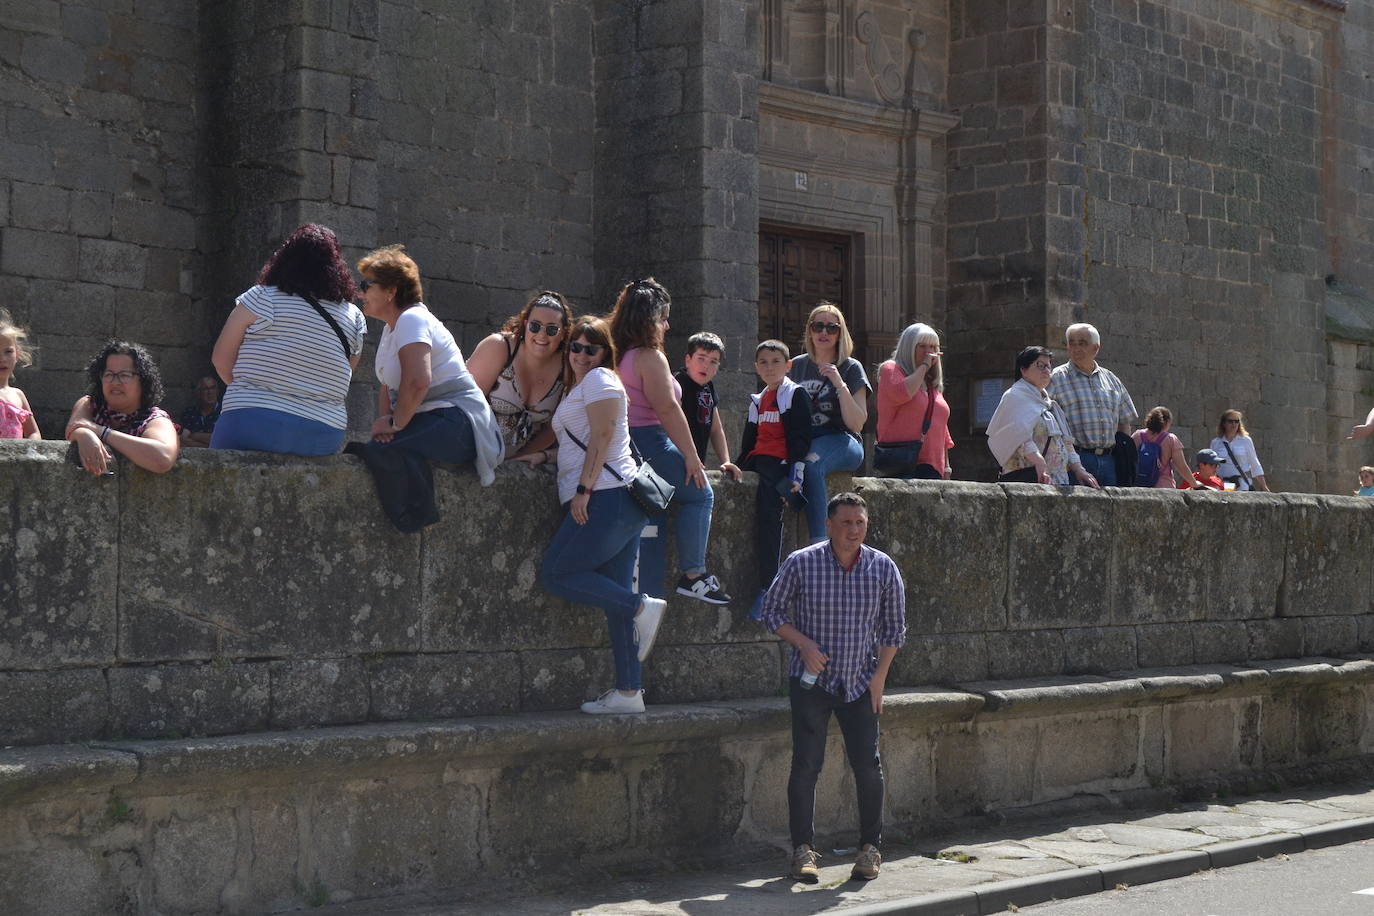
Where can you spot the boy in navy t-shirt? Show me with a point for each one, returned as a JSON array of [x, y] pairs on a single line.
[[777, 436], [704, 352]]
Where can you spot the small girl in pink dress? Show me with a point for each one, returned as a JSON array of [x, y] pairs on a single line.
[[16, 417]]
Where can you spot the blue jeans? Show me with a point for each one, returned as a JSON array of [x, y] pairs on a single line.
[[693, 513], [1103, 467], [592, 564], [834, 451], [261, 429]]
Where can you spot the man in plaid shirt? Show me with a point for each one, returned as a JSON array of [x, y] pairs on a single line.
[[1095, 403], [841, 605]]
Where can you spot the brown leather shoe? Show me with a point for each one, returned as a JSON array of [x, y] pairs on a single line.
[[805, 867], [866, 865]]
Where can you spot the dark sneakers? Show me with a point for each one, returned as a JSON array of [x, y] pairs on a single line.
[[706, 588], [806, 865]]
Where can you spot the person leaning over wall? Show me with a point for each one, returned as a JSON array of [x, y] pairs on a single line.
[[1028, 434], [659, 429], [16, 416], [838, 388], [520, 368], [841, 606], [592, 556], [121, 412], [288, 351], [1240, 464], [913, 417], [429, 407]]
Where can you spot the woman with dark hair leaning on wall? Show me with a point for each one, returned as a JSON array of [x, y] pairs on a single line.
[[520, 369], [659, 428], [1028, 434], [120, 412], [288, 351], [592, 556], [429, 407]]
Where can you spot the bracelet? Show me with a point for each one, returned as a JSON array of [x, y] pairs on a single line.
[[545, 453], [104, 431]]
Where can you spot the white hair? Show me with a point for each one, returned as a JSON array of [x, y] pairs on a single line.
[[905, 352], [1092, 332]]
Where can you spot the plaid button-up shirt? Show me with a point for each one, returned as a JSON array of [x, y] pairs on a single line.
[[848, 613], [1094, 403]]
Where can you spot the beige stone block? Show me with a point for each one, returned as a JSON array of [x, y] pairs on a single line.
[[1199, 739], [1079, 752], [908, 775]]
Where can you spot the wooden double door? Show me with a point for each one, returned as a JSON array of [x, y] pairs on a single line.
[[797, 270]]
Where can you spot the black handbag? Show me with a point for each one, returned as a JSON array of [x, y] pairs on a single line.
[[649, 490], [902, 456]]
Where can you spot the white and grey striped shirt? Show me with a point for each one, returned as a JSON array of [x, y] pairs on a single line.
[[291, 359]]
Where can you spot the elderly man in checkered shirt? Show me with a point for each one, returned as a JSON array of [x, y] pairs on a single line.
[[1094, 401], [841, 605]]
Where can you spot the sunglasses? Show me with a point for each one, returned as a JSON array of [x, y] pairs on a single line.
[[365, 284], [825, 327], [589, 349], [552, 329], [1230, 420]]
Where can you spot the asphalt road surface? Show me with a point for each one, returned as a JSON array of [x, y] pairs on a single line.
[[1338, 881]]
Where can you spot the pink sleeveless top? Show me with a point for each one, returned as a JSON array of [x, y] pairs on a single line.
[[12, 420], [640, 411]]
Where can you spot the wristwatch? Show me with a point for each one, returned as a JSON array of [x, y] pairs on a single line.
[[581, 489]]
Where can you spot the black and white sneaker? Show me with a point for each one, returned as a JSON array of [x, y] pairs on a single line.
[[705, 588]]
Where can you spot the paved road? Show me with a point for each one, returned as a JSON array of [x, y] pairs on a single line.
[[1323, 882]]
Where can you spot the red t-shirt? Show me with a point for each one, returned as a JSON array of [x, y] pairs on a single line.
[[772, 438], [1212, 483]]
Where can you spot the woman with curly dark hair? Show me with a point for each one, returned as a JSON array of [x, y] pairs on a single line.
[[120, 412], [288, 351], [659, 430], [521, 370]]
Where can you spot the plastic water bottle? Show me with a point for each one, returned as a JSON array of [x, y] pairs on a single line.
[[808, 680]]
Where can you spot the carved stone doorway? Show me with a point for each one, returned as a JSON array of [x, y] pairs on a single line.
[[796, 270]]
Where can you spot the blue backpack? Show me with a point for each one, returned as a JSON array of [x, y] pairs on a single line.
[[1147, 461]]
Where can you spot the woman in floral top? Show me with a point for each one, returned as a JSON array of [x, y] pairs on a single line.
[[120, 413], [1028, 433]]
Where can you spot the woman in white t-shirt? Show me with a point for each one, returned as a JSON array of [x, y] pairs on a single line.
[[592, 556], [429, 407], [288, 351], [1240, 464]]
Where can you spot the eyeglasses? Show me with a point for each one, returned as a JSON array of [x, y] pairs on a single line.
[[122, 377], [1044, 367], [825, 327], [552, 329], [589, 349]]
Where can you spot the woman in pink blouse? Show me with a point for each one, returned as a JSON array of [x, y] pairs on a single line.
[[1171, 459], [913, 417]]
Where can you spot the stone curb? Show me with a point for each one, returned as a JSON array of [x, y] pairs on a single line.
[[1023, 892]]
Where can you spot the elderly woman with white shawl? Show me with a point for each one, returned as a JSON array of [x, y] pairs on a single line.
[[1029, 435]]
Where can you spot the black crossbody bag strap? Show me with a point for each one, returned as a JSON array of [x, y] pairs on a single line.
[[634, 451], [1236, 464], [343, 341]]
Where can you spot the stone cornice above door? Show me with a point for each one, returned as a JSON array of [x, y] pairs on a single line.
[[848, 114]]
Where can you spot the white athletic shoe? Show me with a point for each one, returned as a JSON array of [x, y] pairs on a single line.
[[613, 702], [646, 623]]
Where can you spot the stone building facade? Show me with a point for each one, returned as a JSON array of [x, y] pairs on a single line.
[[1192, 176]]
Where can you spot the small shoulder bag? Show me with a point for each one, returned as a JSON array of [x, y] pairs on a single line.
[[902, 456], [650, 491]]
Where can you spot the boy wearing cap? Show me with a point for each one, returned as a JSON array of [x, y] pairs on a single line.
[[1206, 473]]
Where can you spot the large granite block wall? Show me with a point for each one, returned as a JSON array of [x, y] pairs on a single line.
[[243, 592]]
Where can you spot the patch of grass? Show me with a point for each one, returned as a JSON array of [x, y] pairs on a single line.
[[318, 895], [954, 855], [117, 811]]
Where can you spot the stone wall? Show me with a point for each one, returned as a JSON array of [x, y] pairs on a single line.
[[263, 823], [242, 592]]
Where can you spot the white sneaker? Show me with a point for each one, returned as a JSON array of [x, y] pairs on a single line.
[[646, 624], [613, 702]]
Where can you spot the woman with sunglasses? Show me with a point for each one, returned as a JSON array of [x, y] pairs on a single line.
[[1240, 464], [591, 559], [659, 428], [521, 370], [1028, 434], [288, 350], [838, 387], [429, 407], [120, 413]]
